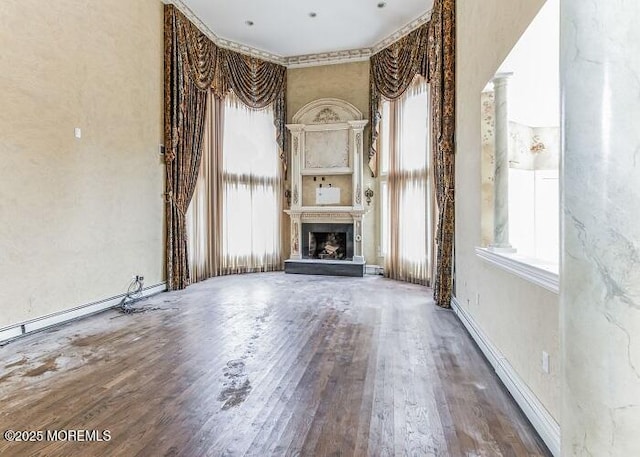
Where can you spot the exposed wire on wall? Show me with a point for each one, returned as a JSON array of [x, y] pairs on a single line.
[[134, 293]]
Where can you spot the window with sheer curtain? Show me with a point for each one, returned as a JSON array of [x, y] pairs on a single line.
[[251, 183], [234, 220], [407, 202]]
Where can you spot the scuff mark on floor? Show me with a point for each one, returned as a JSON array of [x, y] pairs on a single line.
[[237, 386], [49, 364], [17, 363]]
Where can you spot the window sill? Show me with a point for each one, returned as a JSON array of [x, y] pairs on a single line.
[[539, 272]]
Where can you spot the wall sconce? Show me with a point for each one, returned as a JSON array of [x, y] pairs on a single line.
[[369, 194], [287, 195]]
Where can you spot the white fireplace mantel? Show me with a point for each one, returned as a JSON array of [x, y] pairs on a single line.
[[327, 142]]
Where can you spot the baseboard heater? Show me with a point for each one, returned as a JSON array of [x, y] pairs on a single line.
[[17, 330]]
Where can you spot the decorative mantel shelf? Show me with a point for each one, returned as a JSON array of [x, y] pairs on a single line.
[[327, 190]]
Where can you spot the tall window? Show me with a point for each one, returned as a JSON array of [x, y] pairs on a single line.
[[521, 133], [405, 235], [251, 183]]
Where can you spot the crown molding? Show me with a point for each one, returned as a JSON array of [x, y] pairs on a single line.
[[406, 30], [328, 58], [355, 55], [306, 60], [224, 43]]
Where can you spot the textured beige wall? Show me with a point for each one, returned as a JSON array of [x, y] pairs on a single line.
[[521, 319], [78, 217], [348, 82]]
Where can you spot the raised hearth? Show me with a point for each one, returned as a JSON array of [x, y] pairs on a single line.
[[325, 267]]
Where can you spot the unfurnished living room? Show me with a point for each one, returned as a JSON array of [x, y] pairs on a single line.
[[347, 228]]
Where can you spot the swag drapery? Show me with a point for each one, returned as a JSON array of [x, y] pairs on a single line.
[[430, 52], [193, 66]]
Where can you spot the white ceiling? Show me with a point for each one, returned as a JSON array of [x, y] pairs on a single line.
[[284, 28]]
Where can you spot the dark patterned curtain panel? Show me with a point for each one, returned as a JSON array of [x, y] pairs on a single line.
[[185, 104], [193, 66], [442, 64], [429, 51]]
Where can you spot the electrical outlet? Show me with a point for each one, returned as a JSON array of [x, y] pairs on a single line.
[[545, 362]]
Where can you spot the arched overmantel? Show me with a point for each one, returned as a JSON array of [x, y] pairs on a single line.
[[327, 111]]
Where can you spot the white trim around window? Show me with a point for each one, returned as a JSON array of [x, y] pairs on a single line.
[[538, 272]]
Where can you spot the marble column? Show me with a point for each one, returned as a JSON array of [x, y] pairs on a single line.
[[501, 167], [600, 254]]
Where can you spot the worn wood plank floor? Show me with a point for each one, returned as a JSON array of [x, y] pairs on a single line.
[[264, 365]]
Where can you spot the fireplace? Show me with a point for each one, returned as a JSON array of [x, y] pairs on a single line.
[[327, 241], [327, 182]]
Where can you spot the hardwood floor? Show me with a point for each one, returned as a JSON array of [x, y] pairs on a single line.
[[264, 365]]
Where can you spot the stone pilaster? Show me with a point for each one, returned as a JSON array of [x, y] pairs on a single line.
[[501, 166], [600, 255]]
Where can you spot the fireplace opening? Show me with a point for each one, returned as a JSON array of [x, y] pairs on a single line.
[[328, 245], [327, 241]]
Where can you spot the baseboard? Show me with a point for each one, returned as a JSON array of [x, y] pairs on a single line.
[[39, 323], [373, 270], [542, 421]]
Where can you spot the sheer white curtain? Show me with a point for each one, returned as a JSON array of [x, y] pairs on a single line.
[[408, 243], [251, 190], [234, 220], [204, 230]]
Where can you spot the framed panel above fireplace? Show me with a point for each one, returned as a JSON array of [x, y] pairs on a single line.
[[326, 151]]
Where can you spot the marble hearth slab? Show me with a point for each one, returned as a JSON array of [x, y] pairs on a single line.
[[324, 267]]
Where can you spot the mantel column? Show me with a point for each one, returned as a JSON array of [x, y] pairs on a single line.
[[297, 145], [501, 167], [358, 255], [357, 139], [296, 236], [600, 253]]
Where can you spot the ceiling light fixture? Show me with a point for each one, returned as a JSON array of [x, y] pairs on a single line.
[[382, 4], [249, 23], [312, 14]]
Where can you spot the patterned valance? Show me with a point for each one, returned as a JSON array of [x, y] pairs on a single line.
[[199, 54], [391, 72], [394, 67], [257, 83]]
